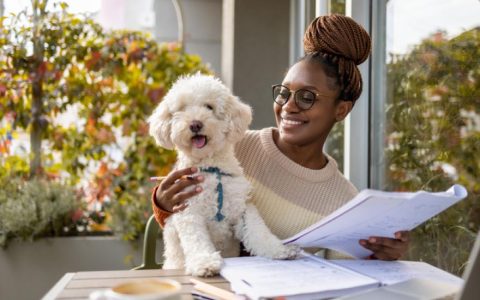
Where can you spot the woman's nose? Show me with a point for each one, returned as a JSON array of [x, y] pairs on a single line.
[[291, 105]]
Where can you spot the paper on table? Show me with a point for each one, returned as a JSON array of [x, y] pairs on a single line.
[[375, 213], [391, 272], [253, 276]]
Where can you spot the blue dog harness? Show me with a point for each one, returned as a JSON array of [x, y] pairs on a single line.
[[214, 170]]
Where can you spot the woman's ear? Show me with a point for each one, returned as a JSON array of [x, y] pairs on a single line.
[[160, 125], [342, 109]]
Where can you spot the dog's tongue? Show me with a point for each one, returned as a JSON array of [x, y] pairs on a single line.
[[199, 141]]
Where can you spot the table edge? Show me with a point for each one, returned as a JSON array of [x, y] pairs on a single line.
[[58, 287]]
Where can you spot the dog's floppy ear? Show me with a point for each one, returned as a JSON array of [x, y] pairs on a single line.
[[160, 125], [241, 117]]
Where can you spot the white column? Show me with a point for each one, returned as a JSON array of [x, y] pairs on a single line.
[[378, 95], [356, 150], [321, 7], [228, 34], [255, 52]]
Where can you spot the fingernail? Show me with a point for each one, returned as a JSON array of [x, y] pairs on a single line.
[[372, 240], [363, 242], [198, 189], [200, 178], [398, 235], [193, 169]]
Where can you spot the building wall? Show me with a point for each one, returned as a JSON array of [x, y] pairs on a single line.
[[202, 25], [256, 52], [246, 42], [126, 14]]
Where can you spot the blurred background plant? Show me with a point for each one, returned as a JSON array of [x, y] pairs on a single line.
[[81, 95], [35, 208], [433, 139]]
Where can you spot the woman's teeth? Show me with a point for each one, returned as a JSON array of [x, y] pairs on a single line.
[[291, 122]]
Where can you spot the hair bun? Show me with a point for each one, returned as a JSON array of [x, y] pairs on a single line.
[[339, 36]]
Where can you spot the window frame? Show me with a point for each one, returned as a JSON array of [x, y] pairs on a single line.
[[364, 159]]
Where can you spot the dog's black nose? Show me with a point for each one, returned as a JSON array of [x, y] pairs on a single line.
[[196, 126]]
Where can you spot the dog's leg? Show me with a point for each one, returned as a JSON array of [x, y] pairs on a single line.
[[201, 257], [259, 240], [174, 258]]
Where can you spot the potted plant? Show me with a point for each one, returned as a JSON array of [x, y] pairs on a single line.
[[81, 96]]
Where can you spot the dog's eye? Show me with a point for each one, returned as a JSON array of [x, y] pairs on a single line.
[[209, 106]]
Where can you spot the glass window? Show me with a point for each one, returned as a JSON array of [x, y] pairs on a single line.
[[431, 120], [334, 145]]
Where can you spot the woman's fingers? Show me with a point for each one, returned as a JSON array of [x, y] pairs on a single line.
[[387, 248], [175, 175], [181, 197], [180, 185], [404, 236], [386, 242], [171, 193], [179, 207], [380, 251]]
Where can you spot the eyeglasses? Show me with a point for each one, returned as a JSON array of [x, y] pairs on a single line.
[[304, 99]]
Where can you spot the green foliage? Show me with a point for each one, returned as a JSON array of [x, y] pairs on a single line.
[[337, 7], [434, 139], [54, 64], [335, 143], [30, 209]]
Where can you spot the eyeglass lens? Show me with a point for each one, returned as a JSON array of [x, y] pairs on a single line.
[[304, 99]]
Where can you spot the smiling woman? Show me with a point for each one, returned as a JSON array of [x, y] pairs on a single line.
[[302, 132], [295, 183]]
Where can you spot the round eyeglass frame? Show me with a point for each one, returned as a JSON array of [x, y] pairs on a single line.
[[298, 100]]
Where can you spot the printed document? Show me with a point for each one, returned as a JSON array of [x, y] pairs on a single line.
[[311, 277], [375, 213], [259, 277]]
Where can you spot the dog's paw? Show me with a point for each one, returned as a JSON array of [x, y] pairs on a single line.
[[286, 252], [205, 265]]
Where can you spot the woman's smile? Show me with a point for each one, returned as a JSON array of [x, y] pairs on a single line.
[[291, 123]]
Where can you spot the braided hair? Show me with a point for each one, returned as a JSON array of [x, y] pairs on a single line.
[[339, 44]]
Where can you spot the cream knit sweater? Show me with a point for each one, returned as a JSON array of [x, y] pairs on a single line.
[[288, 196]]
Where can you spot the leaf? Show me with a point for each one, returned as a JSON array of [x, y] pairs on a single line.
[[63, 5]]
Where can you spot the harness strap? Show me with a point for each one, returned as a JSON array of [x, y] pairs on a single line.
[[214, 170]]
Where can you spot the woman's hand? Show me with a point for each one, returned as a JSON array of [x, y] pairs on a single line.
[[171, 195], [387, 248]]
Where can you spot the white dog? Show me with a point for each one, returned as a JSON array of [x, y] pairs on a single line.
[[202, 120]]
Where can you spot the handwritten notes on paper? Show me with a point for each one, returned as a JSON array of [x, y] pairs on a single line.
[[260, 277], [392, 272], [311, 277], [375, 213]]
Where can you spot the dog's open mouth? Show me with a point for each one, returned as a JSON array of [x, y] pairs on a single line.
[[199, 141]]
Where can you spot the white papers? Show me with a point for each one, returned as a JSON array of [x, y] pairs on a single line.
[[375, 213], [312, 277], [259, 277], [391, 272]]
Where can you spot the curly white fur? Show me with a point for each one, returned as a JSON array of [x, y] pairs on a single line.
[[194, 240]]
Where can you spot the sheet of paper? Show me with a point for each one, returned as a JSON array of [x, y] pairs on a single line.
[[392, 272], [375, 213], [265, 277]]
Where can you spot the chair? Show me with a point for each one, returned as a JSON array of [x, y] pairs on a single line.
[[150, 246]]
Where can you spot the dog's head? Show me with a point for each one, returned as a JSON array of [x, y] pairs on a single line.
[[198, 116]]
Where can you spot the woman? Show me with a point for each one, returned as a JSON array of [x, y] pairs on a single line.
[[294, 183]]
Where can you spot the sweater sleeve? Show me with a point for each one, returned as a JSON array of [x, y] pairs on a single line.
[[160, 214]]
